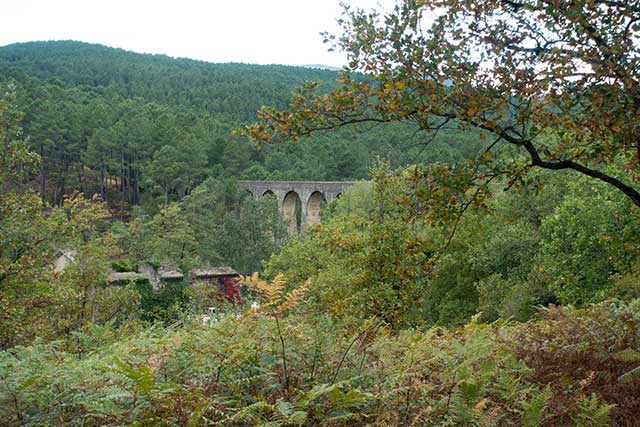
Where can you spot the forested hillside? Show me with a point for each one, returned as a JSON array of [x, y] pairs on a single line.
[[236, 90], [483, 271], [148, 128]]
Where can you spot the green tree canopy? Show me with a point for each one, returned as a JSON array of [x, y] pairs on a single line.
[[557, 81]]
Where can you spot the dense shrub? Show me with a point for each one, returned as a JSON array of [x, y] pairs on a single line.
[[562, 369], [377, 253], [585, 352]]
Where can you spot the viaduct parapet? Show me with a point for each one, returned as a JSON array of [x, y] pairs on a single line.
[[311, 194]]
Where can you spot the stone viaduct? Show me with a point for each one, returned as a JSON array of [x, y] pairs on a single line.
[[311, 194]]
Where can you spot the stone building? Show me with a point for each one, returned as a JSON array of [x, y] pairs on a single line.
[[212, 276]]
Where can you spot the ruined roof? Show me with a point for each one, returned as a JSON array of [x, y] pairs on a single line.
[[169, 271], [171, 274], [126, 276], [213, 272]]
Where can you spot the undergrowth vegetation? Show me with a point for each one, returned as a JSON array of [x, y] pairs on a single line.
[[280, 367]]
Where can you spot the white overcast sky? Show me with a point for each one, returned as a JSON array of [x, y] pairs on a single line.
[[251, 31]]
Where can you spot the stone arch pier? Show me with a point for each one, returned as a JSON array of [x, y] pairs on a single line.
[[311, 194]]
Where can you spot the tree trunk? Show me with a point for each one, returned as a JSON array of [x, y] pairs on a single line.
[[122, 187], [102, 182], [43, 177]]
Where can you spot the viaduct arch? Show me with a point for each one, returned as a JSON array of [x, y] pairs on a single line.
[[312, 194]]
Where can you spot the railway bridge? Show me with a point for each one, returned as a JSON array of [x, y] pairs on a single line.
[[310, 195]]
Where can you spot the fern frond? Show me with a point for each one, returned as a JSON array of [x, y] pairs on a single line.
[[252, 281], [492, 417], [533, 410], [627, 355], [250, 379], [273, 291], [293, 298], [630, 376], [253, 414]]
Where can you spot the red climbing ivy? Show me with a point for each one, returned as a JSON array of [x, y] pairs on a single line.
[[232, 291]]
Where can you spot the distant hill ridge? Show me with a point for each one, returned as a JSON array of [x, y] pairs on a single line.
[[232, 88], [321, 67]]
